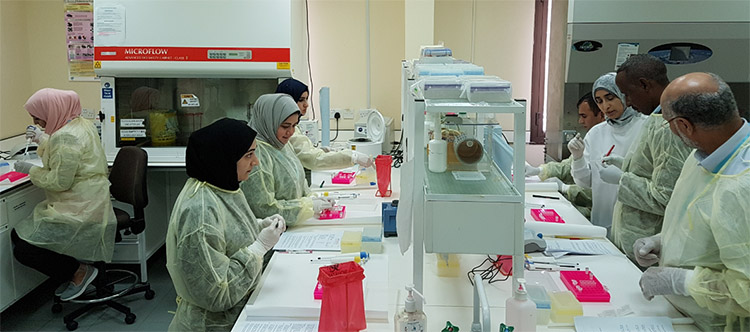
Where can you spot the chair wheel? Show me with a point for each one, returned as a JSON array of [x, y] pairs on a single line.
[[149, 294], [71, 325], [130, 318], [56, 308]]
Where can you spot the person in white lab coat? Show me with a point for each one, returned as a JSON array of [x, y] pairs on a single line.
[[313, 158], [622, 127], [589, 115], [703, 250]]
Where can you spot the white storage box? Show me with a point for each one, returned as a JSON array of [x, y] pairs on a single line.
[[491, 91], [442, 88]]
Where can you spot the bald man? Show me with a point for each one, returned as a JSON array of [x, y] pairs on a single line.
[[704, 247]]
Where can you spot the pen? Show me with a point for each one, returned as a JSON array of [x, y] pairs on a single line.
[[297, 252], [610, 150], [542, 196], [322, 183]]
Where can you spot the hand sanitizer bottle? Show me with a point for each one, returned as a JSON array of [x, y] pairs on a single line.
[[520, 311], [411, 320]]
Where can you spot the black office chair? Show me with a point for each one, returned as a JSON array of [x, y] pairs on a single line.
[[128, 185]]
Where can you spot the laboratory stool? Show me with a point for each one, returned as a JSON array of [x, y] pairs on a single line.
[[128, 179]]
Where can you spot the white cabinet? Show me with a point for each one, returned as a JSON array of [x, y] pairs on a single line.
[[16, 280]]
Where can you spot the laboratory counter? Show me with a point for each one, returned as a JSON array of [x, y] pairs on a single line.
[[284, 296]]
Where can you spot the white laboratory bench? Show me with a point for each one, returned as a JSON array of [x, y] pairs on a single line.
[[451, 298]]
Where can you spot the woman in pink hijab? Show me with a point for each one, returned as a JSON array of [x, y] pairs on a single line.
[[75, 225]]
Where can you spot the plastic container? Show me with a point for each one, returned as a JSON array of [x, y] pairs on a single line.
[[564, 307], [437, 159], [343, 305], [318, 291], [343, 178], [491, 91], [372, 239], [442, 87], [5, 167], [383, 171], [539, 296], [388, 211], [585, 286], [366, 175], [13, 176], [520, 311], [336, 212], [351, 241], [448, 265]]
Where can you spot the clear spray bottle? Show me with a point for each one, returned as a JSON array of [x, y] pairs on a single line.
[[410, 319]]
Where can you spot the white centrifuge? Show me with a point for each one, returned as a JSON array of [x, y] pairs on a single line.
[[372, 145]]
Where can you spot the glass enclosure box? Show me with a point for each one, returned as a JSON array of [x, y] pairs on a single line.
[[163, 112]]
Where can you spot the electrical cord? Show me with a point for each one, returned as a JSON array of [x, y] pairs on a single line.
[[397, 153], [490, 272], [309, 67], [337, 127]]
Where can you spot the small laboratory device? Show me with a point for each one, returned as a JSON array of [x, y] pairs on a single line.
[[370, 136]]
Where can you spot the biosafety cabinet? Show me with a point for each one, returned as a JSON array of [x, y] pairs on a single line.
[[171, 67]]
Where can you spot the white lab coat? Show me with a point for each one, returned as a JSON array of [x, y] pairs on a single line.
[[585, 171]]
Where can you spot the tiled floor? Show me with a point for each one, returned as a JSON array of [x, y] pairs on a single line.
[[33, 312]]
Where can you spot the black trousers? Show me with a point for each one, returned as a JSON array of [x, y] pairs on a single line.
[[57, 266]]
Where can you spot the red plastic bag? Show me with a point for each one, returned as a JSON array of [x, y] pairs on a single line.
[[343, 305], [383, 169]]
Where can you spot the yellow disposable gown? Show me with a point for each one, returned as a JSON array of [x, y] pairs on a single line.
[[580, 197], [76, 219], [316, 159]]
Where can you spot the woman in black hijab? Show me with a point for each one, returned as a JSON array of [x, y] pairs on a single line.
[[215, 246], [323, 157]]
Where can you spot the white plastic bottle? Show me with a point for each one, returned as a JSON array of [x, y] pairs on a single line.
[[437, 159], [520, 311], [410, 320]]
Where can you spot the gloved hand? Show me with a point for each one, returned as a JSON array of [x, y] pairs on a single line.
[[268, 237], [34, 133], [268, 221], [576, 147], [362, 159], [22, 167], [613, 160], [647, 250], [665, 281], [610, 175], [326, 148], [531, 170], [322, 203], [561, 187]]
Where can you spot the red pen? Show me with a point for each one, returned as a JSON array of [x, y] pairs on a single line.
[[610, 150]]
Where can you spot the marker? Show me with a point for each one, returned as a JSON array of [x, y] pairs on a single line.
[[547, 197], [610, 150], [322, 183]]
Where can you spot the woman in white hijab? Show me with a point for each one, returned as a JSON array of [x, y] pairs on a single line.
[[278, 185], [614, 136]]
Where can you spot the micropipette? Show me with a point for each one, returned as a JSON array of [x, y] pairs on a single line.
[[340, 195]]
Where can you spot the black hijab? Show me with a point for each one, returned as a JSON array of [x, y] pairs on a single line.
[[293, 88], [213, 152]]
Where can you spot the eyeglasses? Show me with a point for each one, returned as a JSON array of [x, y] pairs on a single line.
[[665, 124]]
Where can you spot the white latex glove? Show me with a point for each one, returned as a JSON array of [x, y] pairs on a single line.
[[268, 237], [561, 187], [613, 160], [665, 281], [647, 250], [326, 148], [322, 203], [610, 175], [576, 147], [22, 167], [34, 133], [362, 159], [268, 221], [531, 170]]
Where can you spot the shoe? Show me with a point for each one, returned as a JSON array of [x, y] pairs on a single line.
[[60, 289], [73, 291]]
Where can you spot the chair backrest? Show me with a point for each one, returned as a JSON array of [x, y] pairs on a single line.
[[128, 178]]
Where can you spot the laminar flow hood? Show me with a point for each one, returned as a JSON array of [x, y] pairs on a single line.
[[187, 38]]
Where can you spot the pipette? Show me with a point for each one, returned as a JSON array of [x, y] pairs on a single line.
[[26, 151], [340, 195]]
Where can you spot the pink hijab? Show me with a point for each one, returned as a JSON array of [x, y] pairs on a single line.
[[56, 107]]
